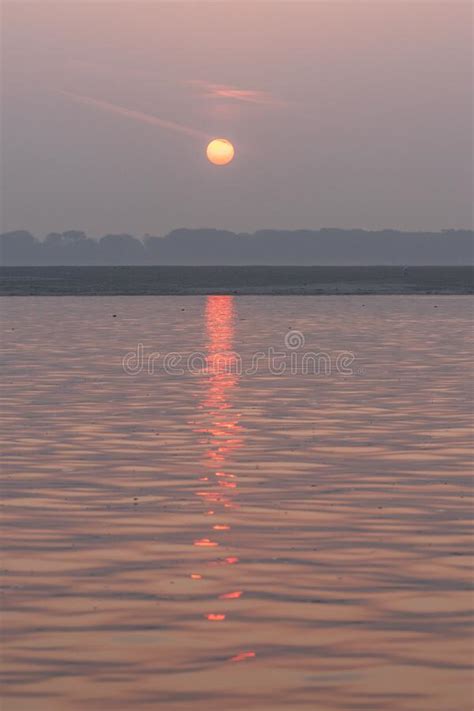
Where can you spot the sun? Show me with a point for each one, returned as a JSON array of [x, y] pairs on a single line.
[[220, 151]]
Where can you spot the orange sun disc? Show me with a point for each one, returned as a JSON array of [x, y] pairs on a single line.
[[220, 151]]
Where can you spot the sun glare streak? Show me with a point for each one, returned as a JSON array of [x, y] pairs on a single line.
[[134, 115], [234, 93]]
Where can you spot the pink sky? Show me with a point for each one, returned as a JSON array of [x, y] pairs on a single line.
[[342, 114]]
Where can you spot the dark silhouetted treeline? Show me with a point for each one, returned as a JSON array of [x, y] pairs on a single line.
[[220, 247]]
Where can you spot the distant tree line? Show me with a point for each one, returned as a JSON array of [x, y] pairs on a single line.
[[221, 247]]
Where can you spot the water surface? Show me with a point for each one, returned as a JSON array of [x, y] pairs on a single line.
[[153, 280], [231, 539]]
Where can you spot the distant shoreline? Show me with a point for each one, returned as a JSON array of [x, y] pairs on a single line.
[[206, 246], [238, 281]]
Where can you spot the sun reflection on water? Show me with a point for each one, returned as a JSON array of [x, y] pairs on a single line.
[[221, 428]]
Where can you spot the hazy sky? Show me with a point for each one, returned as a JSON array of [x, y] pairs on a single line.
[[342, 114]]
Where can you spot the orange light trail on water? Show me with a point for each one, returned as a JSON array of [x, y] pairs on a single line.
[[205, 543], [220, 434], [231, 595], [242, 656]]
